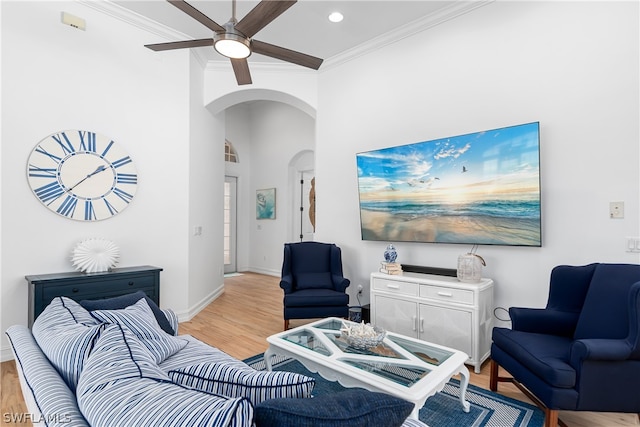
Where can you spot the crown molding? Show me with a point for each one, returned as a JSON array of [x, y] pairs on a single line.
[[424, 23], [141, 22], [443, 15]]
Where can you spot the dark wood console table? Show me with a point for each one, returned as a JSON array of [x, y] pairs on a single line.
[[43, 288]]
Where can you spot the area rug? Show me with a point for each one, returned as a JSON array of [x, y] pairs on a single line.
[[488, 409], [232, 274]]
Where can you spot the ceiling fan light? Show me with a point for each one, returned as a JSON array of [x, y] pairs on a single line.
[[231, 45]]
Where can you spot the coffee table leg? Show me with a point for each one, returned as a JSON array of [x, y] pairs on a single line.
[[464, 382], [267, 359]]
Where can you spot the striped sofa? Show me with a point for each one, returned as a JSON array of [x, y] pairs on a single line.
[[119, 367]]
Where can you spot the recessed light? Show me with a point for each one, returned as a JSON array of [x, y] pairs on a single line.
[[336, 17]]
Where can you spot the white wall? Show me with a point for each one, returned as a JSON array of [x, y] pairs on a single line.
[[55, 77], [573, 66], [206, 191]]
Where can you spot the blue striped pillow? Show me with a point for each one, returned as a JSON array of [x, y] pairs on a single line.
[[122, 386], [66, 332], [240, 380], [140, 320]]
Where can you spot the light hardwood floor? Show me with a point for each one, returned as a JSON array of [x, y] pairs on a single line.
[[249, 310]]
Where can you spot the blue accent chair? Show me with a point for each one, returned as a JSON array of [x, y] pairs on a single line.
[[312, 281], [581, 352]]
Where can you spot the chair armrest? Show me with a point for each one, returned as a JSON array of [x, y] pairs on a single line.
[[543, 321], [340, 284], [286, 283], [599, 349], [172, 318]]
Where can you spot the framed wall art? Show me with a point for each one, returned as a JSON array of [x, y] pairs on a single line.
[[266, 203]]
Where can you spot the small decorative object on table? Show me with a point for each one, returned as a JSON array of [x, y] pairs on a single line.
[[362, 336], [470, 266], [95, 255], [390, 253]]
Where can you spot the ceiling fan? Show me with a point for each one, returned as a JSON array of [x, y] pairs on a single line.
[[234, 39]]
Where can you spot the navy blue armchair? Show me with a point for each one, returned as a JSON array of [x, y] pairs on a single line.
[[581, 352], [312, 281]]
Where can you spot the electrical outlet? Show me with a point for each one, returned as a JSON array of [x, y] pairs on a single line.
[[360, 289]]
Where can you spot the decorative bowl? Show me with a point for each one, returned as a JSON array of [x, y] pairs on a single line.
[[366, 342]]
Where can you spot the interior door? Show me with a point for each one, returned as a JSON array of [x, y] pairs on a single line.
[[230, 221], [304, 207]]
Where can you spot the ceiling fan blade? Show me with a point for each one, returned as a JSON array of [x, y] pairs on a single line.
[[258, 17], [241, 70], [197, 15], [286, 54], [180, 45]]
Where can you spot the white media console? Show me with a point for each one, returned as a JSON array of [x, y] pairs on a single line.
[[437, 309]]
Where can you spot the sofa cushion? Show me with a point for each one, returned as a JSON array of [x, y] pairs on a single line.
[[240, 380], [139, 319], [193, 353], [314, 281], [124, 301], [207, 368], [122, 386], [42, 385], [316, 298], [547, 356], [65, 332], [350, 408]]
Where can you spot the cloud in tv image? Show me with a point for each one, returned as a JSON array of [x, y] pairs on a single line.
[[479, 188]]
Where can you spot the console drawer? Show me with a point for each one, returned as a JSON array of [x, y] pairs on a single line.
[[396, 287], [99, 287], [441, 293]]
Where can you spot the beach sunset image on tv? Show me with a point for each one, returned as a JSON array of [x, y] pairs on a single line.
[[479, 188]]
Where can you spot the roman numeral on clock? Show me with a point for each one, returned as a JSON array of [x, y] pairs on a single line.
[[127, 178], [89, 212], [66, 145], [38, 172], [50, 192], [87, 141], [68, 207]]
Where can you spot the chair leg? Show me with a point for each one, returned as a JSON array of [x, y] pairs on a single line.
[[286, 324], [550, 417], [493, 376]]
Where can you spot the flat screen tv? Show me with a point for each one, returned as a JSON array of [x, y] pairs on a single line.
[[482, 188]]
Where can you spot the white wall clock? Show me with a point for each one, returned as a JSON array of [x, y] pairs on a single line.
[[82, 175]]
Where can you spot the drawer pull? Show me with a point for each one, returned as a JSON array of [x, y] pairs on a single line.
[[414, 323], [445, 294], [421, 324], [392, 286], [130, 283], [74, 290]]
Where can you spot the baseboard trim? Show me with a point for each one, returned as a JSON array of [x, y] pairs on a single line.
[[275, 273], [186, 315], [6, 354]]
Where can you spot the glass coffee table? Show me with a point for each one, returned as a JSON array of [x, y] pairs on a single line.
[[402, 366]]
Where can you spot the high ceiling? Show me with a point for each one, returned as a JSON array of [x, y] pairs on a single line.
[[305, 26]]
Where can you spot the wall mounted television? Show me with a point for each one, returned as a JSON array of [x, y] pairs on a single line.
[[481, 188]]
